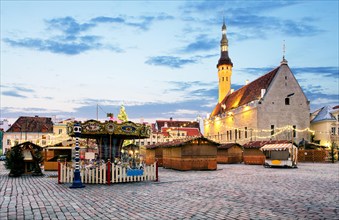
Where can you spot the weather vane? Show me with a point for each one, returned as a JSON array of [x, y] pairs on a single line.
[[284, 49]]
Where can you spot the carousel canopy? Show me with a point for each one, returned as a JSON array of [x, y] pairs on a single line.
[[95, 129]]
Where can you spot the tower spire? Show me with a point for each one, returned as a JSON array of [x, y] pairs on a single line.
[[224, 58]]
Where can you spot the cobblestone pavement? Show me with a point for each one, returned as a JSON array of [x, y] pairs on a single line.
[[232, 192]]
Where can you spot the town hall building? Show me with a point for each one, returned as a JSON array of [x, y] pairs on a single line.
[[272, 107]]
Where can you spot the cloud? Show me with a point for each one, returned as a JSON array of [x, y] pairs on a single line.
[[169, 61], [68, 25], [55, 46], [151, 109], [319, 99], [71, 38], [208, 6], [141, 22], [13, 94], [103, 19], [15, 91], [257, 71], [327, 71], [252, 19], [201, 43], [256, 26]]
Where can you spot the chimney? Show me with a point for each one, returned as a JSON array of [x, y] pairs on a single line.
[[232, 90], [263, 91], [246, 82]]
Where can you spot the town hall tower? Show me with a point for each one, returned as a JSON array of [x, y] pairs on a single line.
[[224, 67]]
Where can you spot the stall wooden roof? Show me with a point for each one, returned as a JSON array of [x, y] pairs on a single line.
[[180, 142], [277, 147], [259, 144]]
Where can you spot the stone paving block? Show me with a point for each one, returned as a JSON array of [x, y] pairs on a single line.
[[234, 191]]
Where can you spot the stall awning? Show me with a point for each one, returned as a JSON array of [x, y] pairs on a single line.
[[277, 147]]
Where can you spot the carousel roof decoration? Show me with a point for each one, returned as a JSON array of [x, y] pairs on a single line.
[[127, 130]]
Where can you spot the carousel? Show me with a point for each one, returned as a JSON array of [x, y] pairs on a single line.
[[110, 135]]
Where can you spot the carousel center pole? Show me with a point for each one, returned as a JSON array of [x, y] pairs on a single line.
[[77, 179]]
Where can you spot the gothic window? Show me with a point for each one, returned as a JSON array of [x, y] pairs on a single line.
[[294, 131], [245, 132], [235, 134], [287, 101], [272, 129]]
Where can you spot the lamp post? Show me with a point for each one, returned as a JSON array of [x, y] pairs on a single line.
[[77, 179]]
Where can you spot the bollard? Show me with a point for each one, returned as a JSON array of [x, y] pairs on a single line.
[[59, 173], [109, 172], [156, 171]]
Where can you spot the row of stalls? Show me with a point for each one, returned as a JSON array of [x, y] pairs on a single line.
[[201, 153], [197, 153]]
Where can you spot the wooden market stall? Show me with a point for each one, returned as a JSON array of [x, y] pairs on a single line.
[[25, 158], [253, 155], [229, 153], [154, 153], [280, 155], [197, 153]]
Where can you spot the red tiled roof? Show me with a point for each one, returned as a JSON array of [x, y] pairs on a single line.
[[189, 131], [245, 94], [259, 144], [32, 124]]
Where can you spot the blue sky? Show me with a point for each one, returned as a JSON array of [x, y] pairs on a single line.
[[158, 58]]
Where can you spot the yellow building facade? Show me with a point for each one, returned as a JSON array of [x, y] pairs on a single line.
[[325, 124]]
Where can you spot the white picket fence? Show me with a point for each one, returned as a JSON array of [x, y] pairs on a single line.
[[103, 175]]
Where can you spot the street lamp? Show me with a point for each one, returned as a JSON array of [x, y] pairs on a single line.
[[77, 179]]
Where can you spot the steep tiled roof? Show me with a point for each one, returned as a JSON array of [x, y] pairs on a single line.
[[259, 144], [245, 94], [32, 124], [324, 114], [189, 131]]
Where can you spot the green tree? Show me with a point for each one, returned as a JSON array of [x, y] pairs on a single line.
[[332, 152], [122, 116]]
